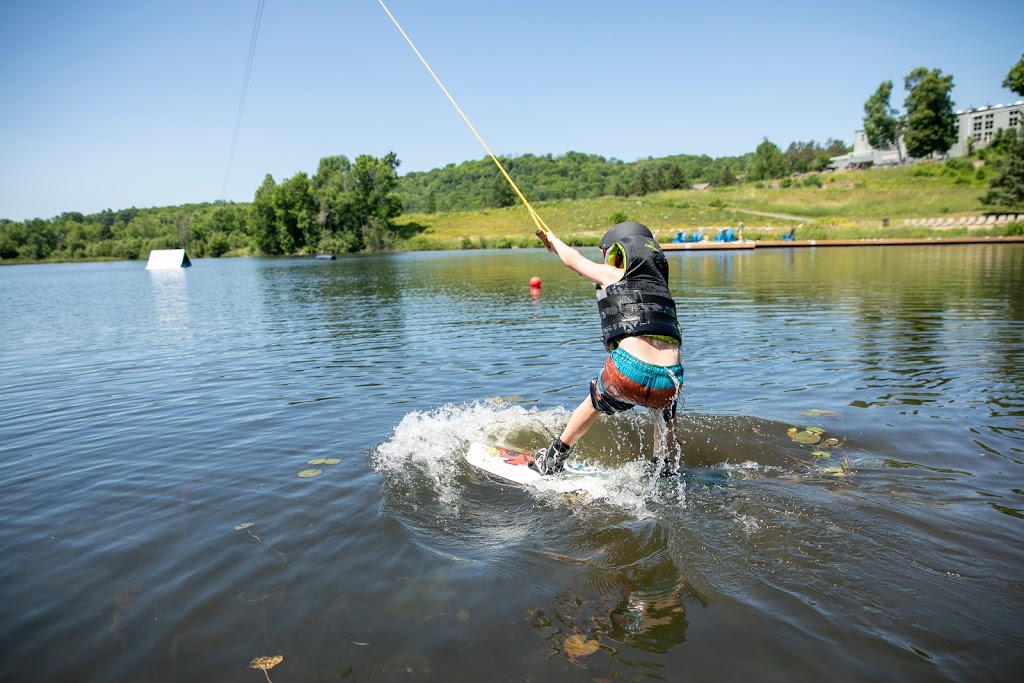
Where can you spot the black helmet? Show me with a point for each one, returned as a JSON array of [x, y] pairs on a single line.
[[627, 229]]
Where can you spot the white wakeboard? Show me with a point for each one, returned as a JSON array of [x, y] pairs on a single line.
[[514, 465]]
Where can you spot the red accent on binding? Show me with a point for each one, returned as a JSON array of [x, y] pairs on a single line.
[[515, 457]]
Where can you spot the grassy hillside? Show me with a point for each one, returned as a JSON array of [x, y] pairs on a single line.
[[848, 204]]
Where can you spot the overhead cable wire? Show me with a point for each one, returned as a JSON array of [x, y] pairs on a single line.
[[245, 88]]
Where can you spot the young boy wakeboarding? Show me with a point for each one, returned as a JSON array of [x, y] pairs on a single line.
[[639, 329]]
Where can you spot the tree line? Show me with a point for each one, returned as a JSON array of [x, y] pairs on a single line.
[[348, 207], [476, 185], [344, 207]]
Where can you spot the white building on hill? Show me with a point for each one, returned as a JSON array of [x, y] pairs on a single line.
[[980, 123]]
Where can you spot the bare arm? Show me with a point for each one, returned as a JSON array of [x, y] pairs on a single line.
[[598, 273]]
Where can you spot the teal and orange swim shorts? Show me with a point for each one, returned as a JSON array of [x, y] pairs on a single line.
[[626, 382]]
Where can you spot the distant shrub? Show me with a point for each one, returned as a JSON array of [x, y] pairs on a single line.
[[958, 165], [218, 245], [925, 170], [813, 180], [618, 217], [673, 204], [582, 240], [421, 243]]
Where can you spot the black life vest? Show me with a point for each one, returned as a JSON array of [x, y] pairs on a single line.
[[640, 304]]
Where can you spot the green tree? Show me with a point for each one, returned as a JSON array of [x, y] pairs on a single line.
[[881, 122], [659, 180], [726, 176], [1014, 80], [8, 239], [376, 204], [184, 226], [295, 212], [1006, 188], [801, 157], [39, 240], [768, 162], [263, 218], [501, 194], [834, 148], [331, 194], [676, 177], [642, 183], [355, 202], [930, 123], [995, 152]]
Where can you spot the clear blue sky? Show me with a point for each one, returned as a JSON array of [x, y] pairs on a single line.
[[117, 104]]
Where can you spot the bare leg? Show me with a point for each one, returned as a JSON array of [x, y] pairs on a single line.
[[664, 437], [666, 458], [582, 419]]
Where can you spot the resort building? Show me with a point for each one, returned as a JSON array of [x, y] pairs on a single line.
[[975, 128], [865, 156]]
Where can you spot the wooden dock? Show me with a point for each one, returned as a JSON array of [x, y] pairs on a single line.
[[878, 242]]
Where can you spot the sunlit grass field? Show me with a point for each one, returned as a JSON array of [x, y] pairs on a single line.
[[842, 205]]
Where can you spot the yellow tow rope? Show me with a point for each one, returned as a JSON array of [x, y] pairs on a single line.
[[542, 228]]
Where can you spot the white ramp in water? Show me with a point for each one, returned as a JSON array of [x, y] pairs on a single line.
[[162, 259]]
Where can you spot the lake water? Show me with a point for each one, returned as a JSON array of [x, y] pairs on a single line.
[[153, 426]]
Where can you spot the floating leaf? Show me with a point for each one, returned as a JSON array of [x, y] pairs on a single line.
[[305, 474], [316, 461], [836, 471], [578, 646], [830, 442], [463, 616], [266, 663], [816, 430], [792, 431], [241, 527], [818, 413], [821, 454], [805, 437], [332, 461]]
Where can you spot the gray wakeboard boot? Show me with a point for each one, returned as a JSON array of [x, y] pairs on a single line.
[[551, 459]]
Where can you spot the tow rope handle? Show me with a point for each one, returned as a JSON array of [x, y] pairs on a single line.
[[543, 235]]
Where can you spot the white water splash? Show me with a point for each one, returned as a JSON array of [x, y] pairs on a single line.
[[430, 446]]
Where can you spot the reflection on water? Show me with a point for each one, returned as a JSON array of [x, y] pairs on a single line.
[[154, 425], [632, 596], [170, 300]]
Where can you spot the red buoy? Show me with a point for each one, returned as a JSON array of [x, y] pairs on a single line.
[[535, 282]]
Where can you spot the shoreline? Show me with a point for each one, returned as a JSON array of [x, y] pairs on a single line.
[[747, 245]]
